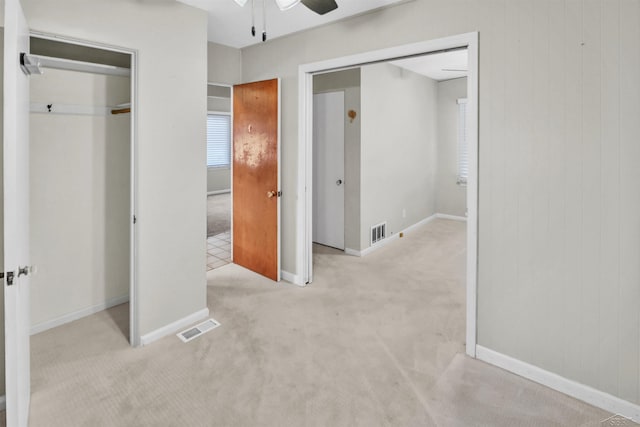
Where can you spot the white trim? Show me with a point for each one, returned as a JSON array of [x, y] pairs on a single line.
[[291, 278], [173, 327], [425, 221], [451, 217], [3, 403], [472, 194], [304, 214], [219, 113], [213, 193], [569, 387], [352, 252], [386, 241], [43, 326], [279, 185]]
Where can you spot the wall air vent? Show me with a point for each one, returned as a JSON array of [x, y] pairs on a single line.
[[378, 232], [198, 330]]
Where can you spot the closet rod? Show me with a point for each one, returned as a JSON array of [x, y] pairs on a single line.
[[72, 65]]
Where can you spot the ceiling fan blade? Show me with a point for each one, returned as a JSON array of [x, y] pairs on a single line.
[[321, 6]]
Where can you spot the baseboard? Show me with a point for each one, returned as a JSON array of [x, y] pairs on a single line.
[[173, 327], [43, 326], [569, 387], [291, 278], [414, 227], [3, 403], [389, 239], [213, 193], [452, 217], [352, 252]]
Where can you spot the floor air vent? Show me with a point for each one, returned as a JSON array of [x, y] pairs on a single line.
[[378, 232], [198, 330]]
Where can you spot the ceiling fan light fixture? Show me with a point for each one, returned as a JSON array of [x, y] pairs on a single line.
[[286, 4], [241, 3]]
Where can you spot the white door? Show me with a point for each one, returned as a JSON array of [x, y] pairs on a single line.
[[16, 216], [328, 169]]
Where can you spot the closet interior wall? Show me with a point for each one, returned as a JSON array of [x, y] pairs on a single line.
[[80, 195]]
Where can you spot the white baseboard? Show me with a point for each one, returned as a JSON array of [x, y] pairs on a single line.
[[174, 327], [453, 217], [414, 227], [291, 278], [389, 239], [569, 387], [213, 193], [3, 403], [43, 326]]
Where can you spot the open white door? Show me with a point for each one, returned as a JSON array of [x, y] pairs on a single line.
[[328, 169], [16, 216]]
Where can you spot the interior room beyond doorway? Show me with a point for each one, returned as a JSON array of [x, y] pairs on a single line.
[[219, 130]]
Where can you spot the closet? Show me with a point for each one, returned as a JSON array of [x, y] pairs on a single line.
[[80, 182]]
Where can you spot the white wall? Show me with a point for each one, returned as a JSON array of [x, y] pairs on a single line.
[[171, 170], [451, 198], [348, 81], [559, 236], [399, 137], [79, 197]]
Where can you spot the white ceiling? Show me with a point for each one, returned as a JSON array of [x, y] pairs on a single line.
[[230, 24], [435, 66]]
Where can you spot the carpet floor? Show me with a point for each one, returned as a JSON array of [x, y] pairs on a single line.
[[374, 341], [218, 213]]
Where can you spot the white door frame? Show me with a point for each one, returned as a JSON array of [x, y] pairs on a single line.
[[230, 114], [134, 332], [304, 253]]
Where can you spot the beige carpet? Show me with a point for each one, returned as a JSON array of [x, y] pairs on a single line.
[[374, 341], [218, 213]]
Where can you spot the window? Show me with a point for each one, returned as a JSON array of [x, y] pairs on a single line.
[[463, 152], [218, 140]]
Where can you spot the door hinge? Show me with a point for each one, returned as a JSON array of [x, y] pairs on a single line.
[[279, 193], [135, 219], [9, 275]]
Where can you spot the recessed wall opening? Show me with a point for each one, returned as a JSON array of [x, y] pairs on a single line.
[[413, 163], [81, 185]]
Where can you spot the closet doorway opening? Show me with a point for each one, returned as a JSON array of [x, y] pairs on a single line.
[[82, 185], [219, 173]]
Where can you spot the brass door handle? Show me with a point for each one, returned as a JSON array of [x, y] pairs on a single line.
[[271, 194]]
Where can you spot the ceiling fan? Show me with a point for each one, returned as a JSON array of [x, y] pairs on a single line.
[[320, 7]]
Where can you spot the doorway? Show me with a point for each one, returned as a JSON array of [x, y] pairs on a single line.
[[219, 171], [306, 74], [82, 184]]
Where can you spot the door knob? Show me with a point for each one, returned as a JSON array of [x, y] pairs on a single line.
[[339, 182], [271, 194]]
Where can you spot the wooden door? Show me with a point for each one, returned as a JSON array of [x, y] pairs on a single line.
[[16, 217], [328, 169], [256, 177]]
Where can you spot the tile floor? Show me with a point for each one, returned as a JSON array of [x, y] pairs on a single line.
[[218, 250]]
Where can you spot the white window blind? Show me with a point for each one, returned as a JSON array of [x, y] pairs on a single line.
[[218, 140], [463, 151]]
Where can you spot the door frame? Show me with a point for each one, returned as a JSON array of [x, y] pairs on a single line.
[[230, 114], [134, 331], [304, 209]]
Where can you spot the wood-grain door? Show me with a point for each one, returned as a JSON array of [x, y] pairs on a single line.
[[256, 177]]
